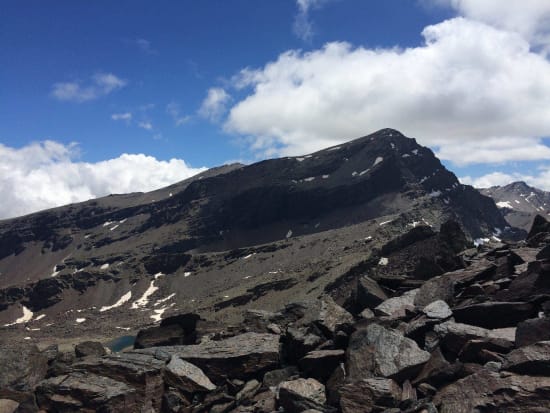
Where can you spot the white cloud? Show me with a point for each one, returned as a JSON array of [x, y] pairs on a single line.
[[174, 110], [540, 180], [303, 27], [101, 84], [530, 18], [477, 93], [127, 116], [145, 46], [214, 104], [145, 125], [46, 174]]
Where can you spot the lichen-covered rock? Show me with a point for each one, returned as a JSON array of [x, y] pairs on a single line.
[[301, 394], [186, 377], [375, 394]]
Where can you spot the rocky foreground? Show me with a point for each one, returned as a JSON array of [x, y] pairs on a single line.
[[473, 339]]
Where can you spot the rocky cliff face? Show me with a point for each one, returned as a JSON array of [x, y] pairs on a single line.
[[520, 203], [231, 238]]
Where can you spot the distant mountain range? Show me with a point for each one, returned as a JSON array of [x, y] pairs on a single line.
[[520, 203], [228, 238]]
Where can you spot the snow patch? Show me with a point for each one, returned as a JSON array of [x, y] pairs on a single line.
[[481, 241], [163, 300], [144, 299], [334, 149], [434, 194], [104, 266], [385, 222], [364, 172], [383, 261], [415, 151], [80, 320], [124, 328], [300, 159], [325, 176], [516, 201], [27, 316], [157, 316], [311, 178], [113, 228], [248, 256], [107, 223], [289, 233], [125, 298], [123, 221], [377, 161], [40, 317], [54, 272], [405, 155], [187, 274], [354, 173]]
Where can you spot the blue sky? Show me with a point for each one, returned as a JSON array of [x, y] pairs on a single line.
[[180, 85]]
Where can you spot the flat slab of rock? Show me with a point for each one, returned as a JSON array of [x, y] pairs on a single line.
[[383, 352], [186, 377], [533, 359], [238, 357], [494, 392], [301, 394], [86, 392], [140, 371], [455, 335], [367, 395], [397, 306], [494, 314]]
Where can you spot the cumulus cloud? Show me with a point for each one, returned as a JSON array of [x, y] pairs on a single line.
[[47, 174], [530, 18], [540, 180], [214, 104], [127, 116], [474, 92], [101, 84]]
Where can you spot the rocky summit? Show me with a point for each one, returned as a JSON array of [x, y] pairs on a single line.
[[520, 203], [361, 278]]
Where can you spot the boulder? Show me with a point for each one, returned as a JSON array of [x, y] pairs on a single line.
[[494, 314], [320, 364], [438, 310], [274, 377], [454, 335], [140, 371], [484, 350], [89, 348], [495, 392], [531, 331], [544, 254], [186, 377], [242, 357], [22, 366], [540, 226], [438, 288], [383, 352], [8, 406], [533, 359], [174, 330], [248, 391], [367, 395], [297, 342], [87, 393], [301, 394], [438, 371], [333, 318], [397, 307], [369, 293]]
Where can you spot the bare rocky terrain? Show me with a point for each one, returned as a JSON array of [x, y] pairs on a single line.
[[361, 278]]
